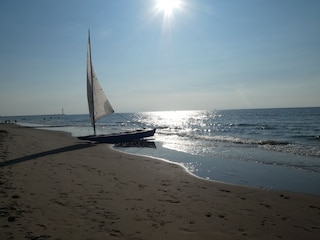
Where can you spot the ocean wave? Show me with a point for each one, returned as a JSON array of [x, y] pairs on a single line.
[[308, 137], [224, 138], [268, 144], [252, 125], [273, 142]]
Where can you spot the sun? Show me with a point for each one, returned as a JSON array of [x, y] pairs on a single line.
[[167, 6], [169, 10]]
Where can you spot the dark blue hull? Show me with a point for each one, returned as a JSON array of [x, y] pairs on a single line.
[[120, 137]]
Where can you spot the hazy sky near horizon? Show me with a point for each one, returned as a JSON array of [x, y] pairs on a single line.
[[206, 54]]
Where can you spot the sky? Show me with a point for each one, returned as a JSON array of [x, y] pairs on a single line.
[[200, 55]]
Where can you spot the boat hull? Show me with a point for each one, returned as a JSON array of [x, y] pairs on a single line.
[[120, 137]]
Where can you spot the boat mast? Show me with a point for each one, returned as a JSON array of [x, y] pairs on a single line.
[[91, 78]]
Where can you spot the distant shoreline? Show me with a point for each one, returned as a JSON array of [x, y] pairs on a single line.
[[231, 109]]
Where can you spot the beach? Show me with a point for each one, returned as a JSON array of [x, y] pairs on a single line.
[[54, 186]]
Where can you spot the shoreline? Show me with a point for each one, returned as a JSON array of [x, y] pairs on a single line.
[[227, 170], [55, 187], [240, 173], [239, 160], [185, 169], [232, 169]]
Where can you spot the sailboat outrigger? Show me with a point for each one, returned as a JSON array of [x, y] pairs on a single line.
[[99, 107]]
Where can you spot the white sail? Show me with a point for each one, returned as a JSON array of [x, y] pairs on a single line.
[[99, 105]]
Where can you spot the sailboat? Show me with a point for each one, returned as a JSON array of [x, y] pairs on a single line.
[[99, 107]]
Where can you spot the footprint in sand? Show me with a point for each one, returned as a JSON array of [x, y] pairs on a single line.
[[265, 205], [166, 183], [116, 233], [225, 191], [208, 214], [284, 197], [314, 207]]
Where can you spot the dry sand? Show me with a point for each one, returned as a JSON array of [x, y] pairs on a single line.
[[52, 186]]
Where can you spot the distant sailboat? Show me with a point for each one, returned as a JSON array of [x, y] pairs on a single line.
[[99, 107]]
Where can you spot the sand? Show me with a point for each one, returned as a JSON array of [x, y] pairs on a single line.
[[53, 186]]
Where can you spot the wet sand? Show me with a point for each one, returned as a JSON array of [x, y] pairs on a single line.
[[53, 186]]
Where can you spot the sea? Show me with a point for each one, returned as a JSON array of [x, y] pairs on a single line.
[[275, 149]]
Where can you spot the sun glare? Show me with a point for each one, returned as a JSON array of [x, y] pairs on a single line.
[[167, 6]]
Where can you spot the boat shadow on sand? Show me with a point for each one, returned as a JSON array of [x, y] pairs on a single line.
[[46, 153], [138, 144]]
